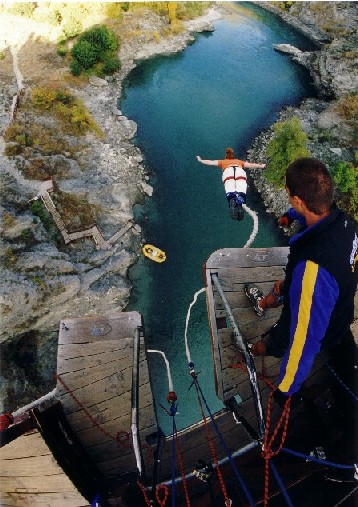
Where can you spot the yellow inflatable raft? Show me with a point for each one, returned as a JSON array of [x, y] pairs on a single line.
[[153, 253]]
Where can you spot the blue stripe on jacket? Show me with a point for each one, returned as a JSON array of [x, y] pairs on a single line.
[[313, 295]]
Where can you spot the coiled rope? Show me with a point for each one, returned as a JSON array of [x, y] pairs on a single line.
[[267, 450]]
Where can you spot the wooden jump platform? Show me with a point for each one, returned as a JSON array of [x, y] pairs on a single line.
[[234, 268], [96, 360]]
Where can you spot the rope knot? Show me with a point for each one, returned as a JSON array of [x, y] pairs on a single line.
[[5, 420], [172, 397]]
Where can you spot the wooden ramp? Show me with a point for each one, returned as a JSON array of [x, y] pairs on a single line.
[[42, 462], [98, 369], [30, 476], [234, 268]]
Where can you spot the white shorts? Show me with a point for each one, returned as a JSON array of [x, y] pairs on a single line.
[[234, 179]]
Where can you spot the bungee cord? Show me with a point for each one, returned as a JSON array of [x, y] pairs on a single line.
[[170, 381], [187, 350], [255, 229]]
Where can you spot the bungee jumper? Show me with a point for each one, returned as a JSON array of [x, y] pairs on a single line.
[[234, 179]]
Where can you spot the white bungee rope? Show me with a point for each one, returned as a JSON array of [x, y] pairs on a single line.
[[255, 229], [187, 350], [251, 239], [170, 381]]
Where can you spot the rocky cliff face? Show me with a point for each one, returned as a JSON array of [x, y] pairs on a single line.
[[333, 27], [44, 280], [334, 70]]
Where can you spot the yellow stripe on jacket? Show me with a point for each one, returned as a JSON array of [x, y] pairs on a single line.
[[300, 335]]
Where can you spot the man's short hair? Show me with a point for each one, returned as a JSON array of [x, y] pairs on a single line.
[[309, 179]]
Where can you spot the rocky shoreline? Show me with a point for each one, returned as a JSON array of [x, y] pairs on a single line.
[[334, 74], [44, 283]]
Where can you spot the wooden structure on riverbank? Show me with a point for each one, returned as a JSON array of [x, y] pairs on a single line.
[[98, 434], [92, 232]]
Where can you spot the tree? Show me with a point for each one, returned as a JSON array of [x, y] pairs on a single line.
[[345, 176], [289, 143]]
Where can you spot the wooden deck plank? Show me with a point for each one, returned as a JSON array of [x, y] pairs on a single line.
[[95, 329], [108, 409], [120, 367], [231, 279], [75, 351], [228, 257], [30, 475], [14, 499], [94, 356]]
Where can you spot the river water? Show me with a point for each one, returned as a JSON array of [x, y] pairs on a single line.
[[221, 91]]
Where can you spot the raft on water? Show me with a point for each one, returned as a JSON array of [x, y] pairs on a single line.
[[154, 253]]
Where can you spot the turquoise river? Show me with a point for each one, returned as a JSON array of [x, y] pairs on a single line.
[[220, 91]]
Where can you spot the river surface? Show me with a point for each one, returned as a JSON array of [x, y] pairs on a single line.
[[220, 91]]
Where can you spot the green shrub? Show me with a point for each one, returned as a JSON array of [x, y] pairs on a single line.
[[289, 143], [76, 120], [110, 64], [345, 177], [96, 47], [40, 211], [85, 54], [64, 96], [75, 68], [100, 38], [189, 10], [61, 51], [43, 97]]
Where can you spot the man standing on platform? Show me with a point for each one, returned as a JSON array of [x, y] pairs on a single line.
[[319, 287]]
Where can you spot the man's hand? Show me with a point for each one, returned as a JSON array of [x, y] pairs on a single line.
[[258, 349], [284, 221]]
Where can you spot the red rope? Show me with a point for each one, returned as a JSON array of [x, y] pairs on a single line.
[[261, 376], [212, 448], [159, 488], [161, 501], [120, 438], [185, 486], [267, 451], [142, 488]]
